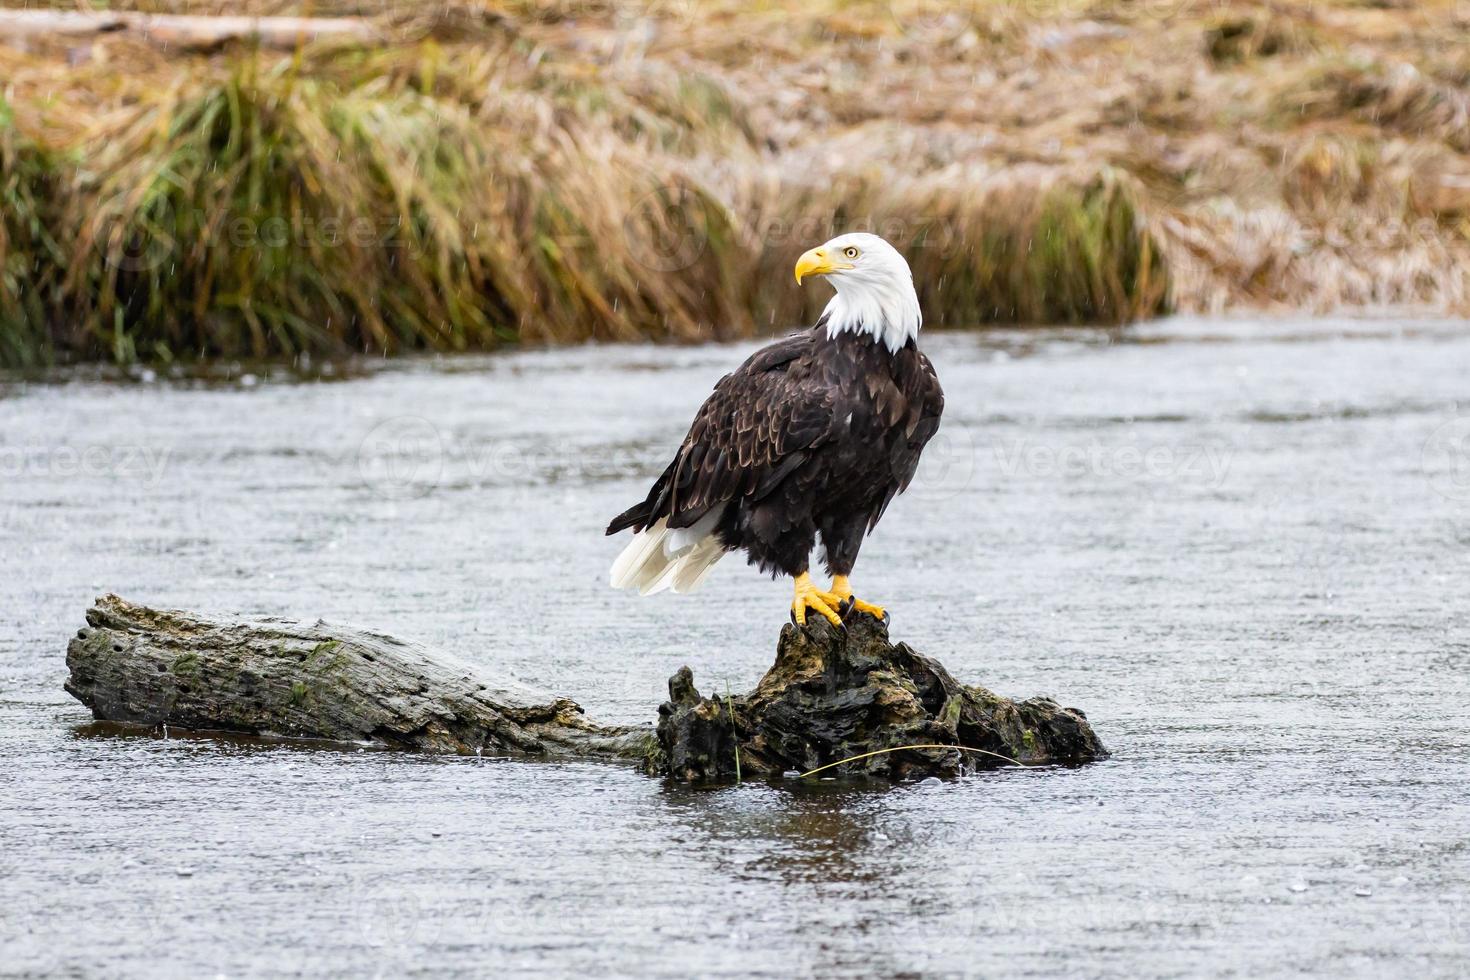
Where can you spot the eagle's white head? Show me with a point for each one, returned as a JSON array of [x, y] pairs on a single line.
[[875, 289]]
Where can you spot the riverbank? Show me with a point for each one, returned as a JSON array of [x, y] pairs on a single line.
[[551, 172]]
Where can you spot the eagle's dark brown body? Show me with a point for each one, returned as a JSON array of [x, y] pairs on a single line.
[[812, 436]]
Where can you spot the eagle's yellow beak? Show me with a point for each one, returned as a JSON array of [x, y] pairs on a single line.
[[816, 263]]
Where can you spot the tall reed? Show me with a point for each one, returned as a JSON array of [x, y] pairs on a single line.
[[31, 257]]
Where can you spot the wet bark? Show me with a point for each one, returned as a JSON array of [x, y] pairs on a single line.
[[325, 681], [830, 695], [834, 695]]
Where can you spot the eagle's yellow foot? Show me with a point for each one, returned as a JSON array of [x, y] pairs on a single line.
[[808, 596], [841, 597]]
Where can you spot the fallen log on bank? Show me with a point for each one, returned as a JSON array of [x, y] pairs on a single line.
[[187, 31], [831, 695]]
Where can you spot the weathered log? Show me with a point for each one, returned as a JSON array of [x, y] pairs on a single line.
[[831, 695], [325, 681], [189, 31], [839, 694]]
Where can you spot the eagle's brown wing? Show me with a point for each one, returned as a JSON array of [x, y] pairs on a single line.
[[923, 401], [755, 428]]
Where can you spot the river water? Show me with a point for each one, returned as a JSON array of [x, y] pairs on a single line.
[[1243, 548]]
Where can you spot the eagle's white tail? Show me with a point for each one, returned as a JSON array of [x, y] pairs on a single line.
[[659, 558]]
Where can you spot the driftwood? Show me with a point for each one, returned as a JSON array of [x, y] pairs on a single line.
[[832, 694], [274, 677], [182, 30]]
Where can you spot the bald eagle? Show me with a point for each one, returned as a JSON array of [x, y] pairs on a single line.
[[812, 436]]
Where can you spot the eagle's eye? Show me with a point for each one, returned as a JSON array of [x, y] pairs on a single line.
[[851, 252]]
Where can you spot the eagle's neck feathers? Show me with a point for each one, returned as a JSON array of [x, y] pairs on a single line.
[[886, 308]]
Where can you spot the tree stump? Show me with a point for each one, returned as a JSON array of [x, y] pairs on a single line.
[[838, 694]]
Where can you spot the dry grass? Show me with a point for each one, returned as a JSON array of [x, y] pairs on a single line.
[[31, 259], [275, 212], [376, 202], [556, 170]]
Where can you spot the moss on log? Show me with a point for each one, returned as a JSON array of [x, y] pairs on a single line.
[[838, 694], [325, 681], [831, 695]]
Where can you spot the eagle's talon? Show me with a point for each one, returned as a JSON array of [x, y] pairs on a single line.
[[813, 603], [808, 596], [877, 612], [840, 595]]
